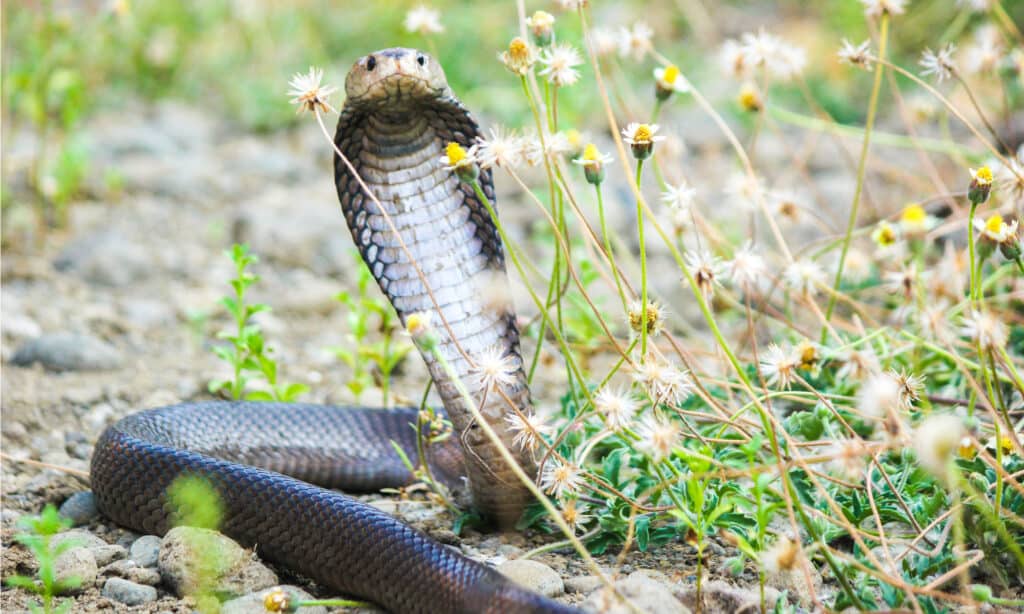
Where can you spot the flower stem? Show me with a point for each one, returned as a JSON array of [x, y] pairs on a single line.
[[861, 169], [608, 246], [643, 266]]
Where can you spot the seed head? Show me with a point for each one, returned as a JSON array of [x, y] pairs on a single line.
[[309, 94], [936, 440], [423, 20], [560, 479], [654, 315], [280, 600], [541, 25], [617, 406], [519, 57], [859, 55]]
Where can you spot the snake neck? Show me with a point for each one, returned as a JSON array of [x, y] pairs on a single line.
[[455, 246]]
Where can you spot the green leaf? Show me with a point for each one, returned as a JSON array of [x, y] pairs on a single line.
[[24, 582], [259, 395]]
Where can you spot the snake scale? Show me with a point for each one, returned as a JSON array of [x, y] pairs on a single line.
[[273, 463]]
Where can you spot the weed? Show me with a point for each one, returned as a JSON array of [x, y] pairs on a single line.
[[38, 538]]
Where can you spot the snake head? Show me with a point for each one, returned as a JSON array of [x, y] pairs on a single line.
[[396, 76]]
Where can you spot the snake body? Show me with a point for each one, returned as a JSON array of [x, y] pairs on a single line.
[[263, 459]]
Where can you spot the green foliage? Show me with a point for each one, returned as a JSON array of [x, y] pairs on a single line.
[[246, 350], [373, 351], [196, 503], [38, 538]]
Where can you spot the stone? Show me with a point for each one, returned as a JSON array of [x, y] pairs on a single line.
[[80, 508], [79, 538], [65, 351], [253, 602], [106, 258], [645, 594], [19, 326], [77, 569], [188, 554], [535, 576], [106, 555], [127, 592], [130, 570], [720, 596], [146, 551], [583, 584]]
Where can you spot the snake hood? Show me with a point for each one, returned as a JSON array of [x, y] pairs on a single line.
[[397, 76]]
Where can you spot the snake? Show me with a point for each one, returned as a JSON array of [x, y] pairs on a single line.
[[277, 468]]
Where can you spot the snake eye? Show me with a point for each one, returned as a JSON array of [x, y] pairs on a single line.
[[421, 59], [371, 63]]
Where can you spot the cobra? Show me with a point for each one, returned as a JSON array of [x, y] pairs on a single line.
[[272, 463]]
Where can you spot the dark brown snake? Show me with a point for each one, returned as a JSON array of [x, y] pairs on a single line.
[[263, 458]]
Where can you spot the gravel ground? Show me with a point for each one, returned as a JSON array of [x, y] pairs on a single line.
[[115, 313]]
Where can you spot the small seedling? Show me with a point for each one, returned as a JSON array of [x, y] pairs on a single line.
[[196, 504], [247, 351], [38, 538]]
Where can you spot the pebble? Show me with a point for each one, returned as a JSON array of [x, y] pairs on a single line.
[[253, 602], [80, 508], [644, 593], [20, 326], [130, 570], [99, 417], [178, 560], [106, 258], [583, 584], [65, 351], [79, 538], [106, 555], [127, 592], [77, 569], [77, 445], [720, 596], [146, 551], [535, 576]]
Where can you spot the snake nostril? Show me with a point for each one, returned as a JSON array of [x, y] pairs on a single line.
[[371, 63]]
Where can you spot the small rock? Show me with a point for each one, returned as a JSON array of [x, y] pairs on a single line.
[[106, 555], [9, 517], [130, 570], [80, 508], [84, 393], [66, 351], [583, 584], [79, 538], [106, 258], [128, 593], [146, 551], [535, 576], [237, 572], [720, 596], [644, 593], [99, 417], [253, 602], [77, 566], [19, 326]]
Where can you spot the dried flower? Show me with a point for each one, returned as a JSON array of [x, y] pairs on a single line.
[[804, 277], [559, 64], [575, 514], [936, 440], [939, 63], [910, 387], [778, 367], [679, 197], [560, 479], [985, 329], [503, 149], [617, 406], [747, 268], [782, 557], [706, 270], [529, 430], [859, 55], [664, 382], [858, 364], [876, 8], [495, 366], [635, 42], [879, 396], [308, 92], [658, 437], [423, 20], [654, 316]]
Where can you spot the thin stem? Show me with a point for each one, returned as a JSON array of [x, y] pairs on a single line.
[[861, 169], [643, 266]]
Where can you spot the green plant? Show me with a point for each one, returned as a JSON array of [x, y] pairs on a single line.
[[372, 358], [196, 503], [38, 538], [246, 350]]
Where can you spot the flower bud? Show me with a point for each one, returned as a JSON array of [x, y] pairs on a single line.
[[541, 26], [981, 185]]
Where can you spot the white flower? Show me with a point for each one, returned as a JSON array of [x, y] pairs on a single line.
[[560, 479], [308, 92], [902, 281], [641, 134], [424, 20], [559, 64], [658, 437], [670, 79], [984, 55], [529, 430], [748, 189], [858, 364], [575, 514], [1011, 176], [706, 270], [771, 52], [936, 441], [495, 367], [603, 41], [456, 157], [879, 396], [939, 63], [664, 382], [875, 8], [934, 321], [859, 56], [617, 406], [778, 367], [503, 149], [985, 329], [995, 229], [733, 59], [804, 277], [747, 268], [680, 196], [635, 42]]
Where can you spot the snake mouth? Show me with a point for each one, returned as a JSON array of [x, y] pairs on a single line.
[[396, 88]]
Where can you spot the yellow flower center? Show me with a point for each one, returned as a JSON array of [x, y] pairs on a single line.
[[518, 50], [417, 323], [671, 74], [966, 449], [590, 153], [455, 153], [994, 224], [983, 176], [574, 137], [643, 134], [914, 215], [541, 20], [750, 99], [886, 235]]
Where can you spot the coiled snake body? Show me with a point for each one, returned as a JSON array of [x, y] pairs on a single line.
[[398, 115]]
